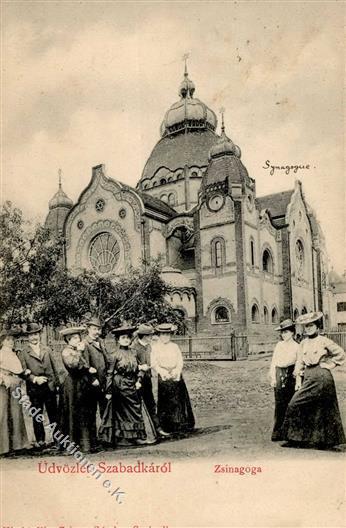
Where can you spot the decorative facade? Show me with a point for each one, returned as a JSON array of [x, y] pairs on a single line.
[[234, 261]]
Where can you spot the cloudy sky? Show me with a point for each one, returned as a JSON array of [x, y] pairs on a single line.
[[89, 82]]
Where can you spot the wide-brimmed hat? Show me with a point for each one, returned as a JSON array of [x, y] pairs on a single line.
[[287, 324], [94, 321], [33, 328], [121, 330], [145, 329], [166, 328], [311, 317], [70, 330]]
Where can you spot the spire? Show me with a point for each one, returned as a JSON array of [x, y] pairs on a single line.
[[222, 112], [224, 145], [59, 173], [187, 87]]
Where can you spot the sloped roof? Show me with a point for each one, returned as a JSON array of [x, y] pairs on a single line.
[[152, 201], [277, 203], [174, 152]]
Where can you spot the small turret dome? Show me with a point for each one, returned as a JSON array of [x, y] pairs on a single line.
[[224, 145], [60, 199]]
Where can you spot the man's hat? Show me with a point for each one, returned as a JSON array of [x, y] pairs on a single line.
[[121, 330], [145, 329], [166, 328], [311, 317], [71, 330], [287, 324], [94, 321], [33, 328]]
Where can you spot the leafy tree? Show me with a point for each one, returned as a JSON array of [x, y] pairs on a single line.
[[36, 286]]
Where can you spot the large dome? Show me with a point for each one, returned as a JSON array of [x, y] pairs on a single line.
[[188, 134]]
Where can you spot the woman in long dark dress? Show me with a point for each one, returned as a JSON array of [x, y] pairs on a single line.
[[173, 403], [313, 416], [281, 374], [13, 434], [77, 402], [124, 419]]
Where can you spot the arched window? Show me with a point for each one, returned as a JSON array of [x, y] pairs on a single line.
[[255, 313], [180, 176], [162, 181], [267, 261], [300, 258], [295, 313], [252, 253], [304, 310], [155, 184], [266, 315], [164, 198], [221, 315], [275, 316], [169, 179], [218, 254], [146, 186], [194, 174], [104, 253], [171, 199]]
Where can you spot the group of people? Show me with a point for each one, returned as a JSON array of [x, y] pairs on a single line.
[[306, 407], [135, 385]]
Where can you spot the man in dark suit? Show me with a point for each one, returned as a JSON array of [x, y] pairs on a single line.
[[96, 356], [142, 347], [43, 382]]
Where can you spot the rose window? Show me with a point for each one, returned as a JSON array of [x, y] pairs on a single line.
[[104, 253]]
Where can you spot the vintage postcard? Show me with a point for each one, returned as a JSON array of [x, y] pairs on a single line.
[[172, 264]]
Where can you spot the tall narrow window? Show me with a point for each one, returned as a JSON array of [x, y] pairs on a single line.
[[218, 254], [267, 261], [266, 315], [252, 253], [217, 248]]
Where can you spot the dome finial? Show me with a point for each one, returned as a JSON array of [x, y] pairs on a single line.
[[59, 173], [185, 57], [187, 87], [222, 112]]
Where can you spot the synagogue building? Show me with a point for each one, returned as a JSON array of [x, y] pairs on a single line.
[[234, 260]]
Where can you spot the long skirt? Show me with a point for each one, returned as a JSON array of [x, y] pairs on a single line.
[[283, 393], [173, 406], [313, 414], [13, 435], [77, 410], [123, 417]]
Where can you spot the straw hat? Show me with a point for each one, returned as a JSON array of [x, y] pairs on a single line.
[[311, 317], [166, 328], [71, 330], [287, 324]]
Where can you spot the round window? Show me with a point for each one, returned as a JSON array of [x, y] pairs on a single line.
[[104, 253], [100, 205]]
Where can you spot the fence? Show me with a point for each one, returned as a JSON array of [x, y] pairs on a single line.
[[338, 337], [227, 348]]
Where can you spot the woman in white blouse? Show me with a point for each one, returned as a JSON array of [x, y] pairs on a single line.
[[281, 374], [313, 416], [173, 403]]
